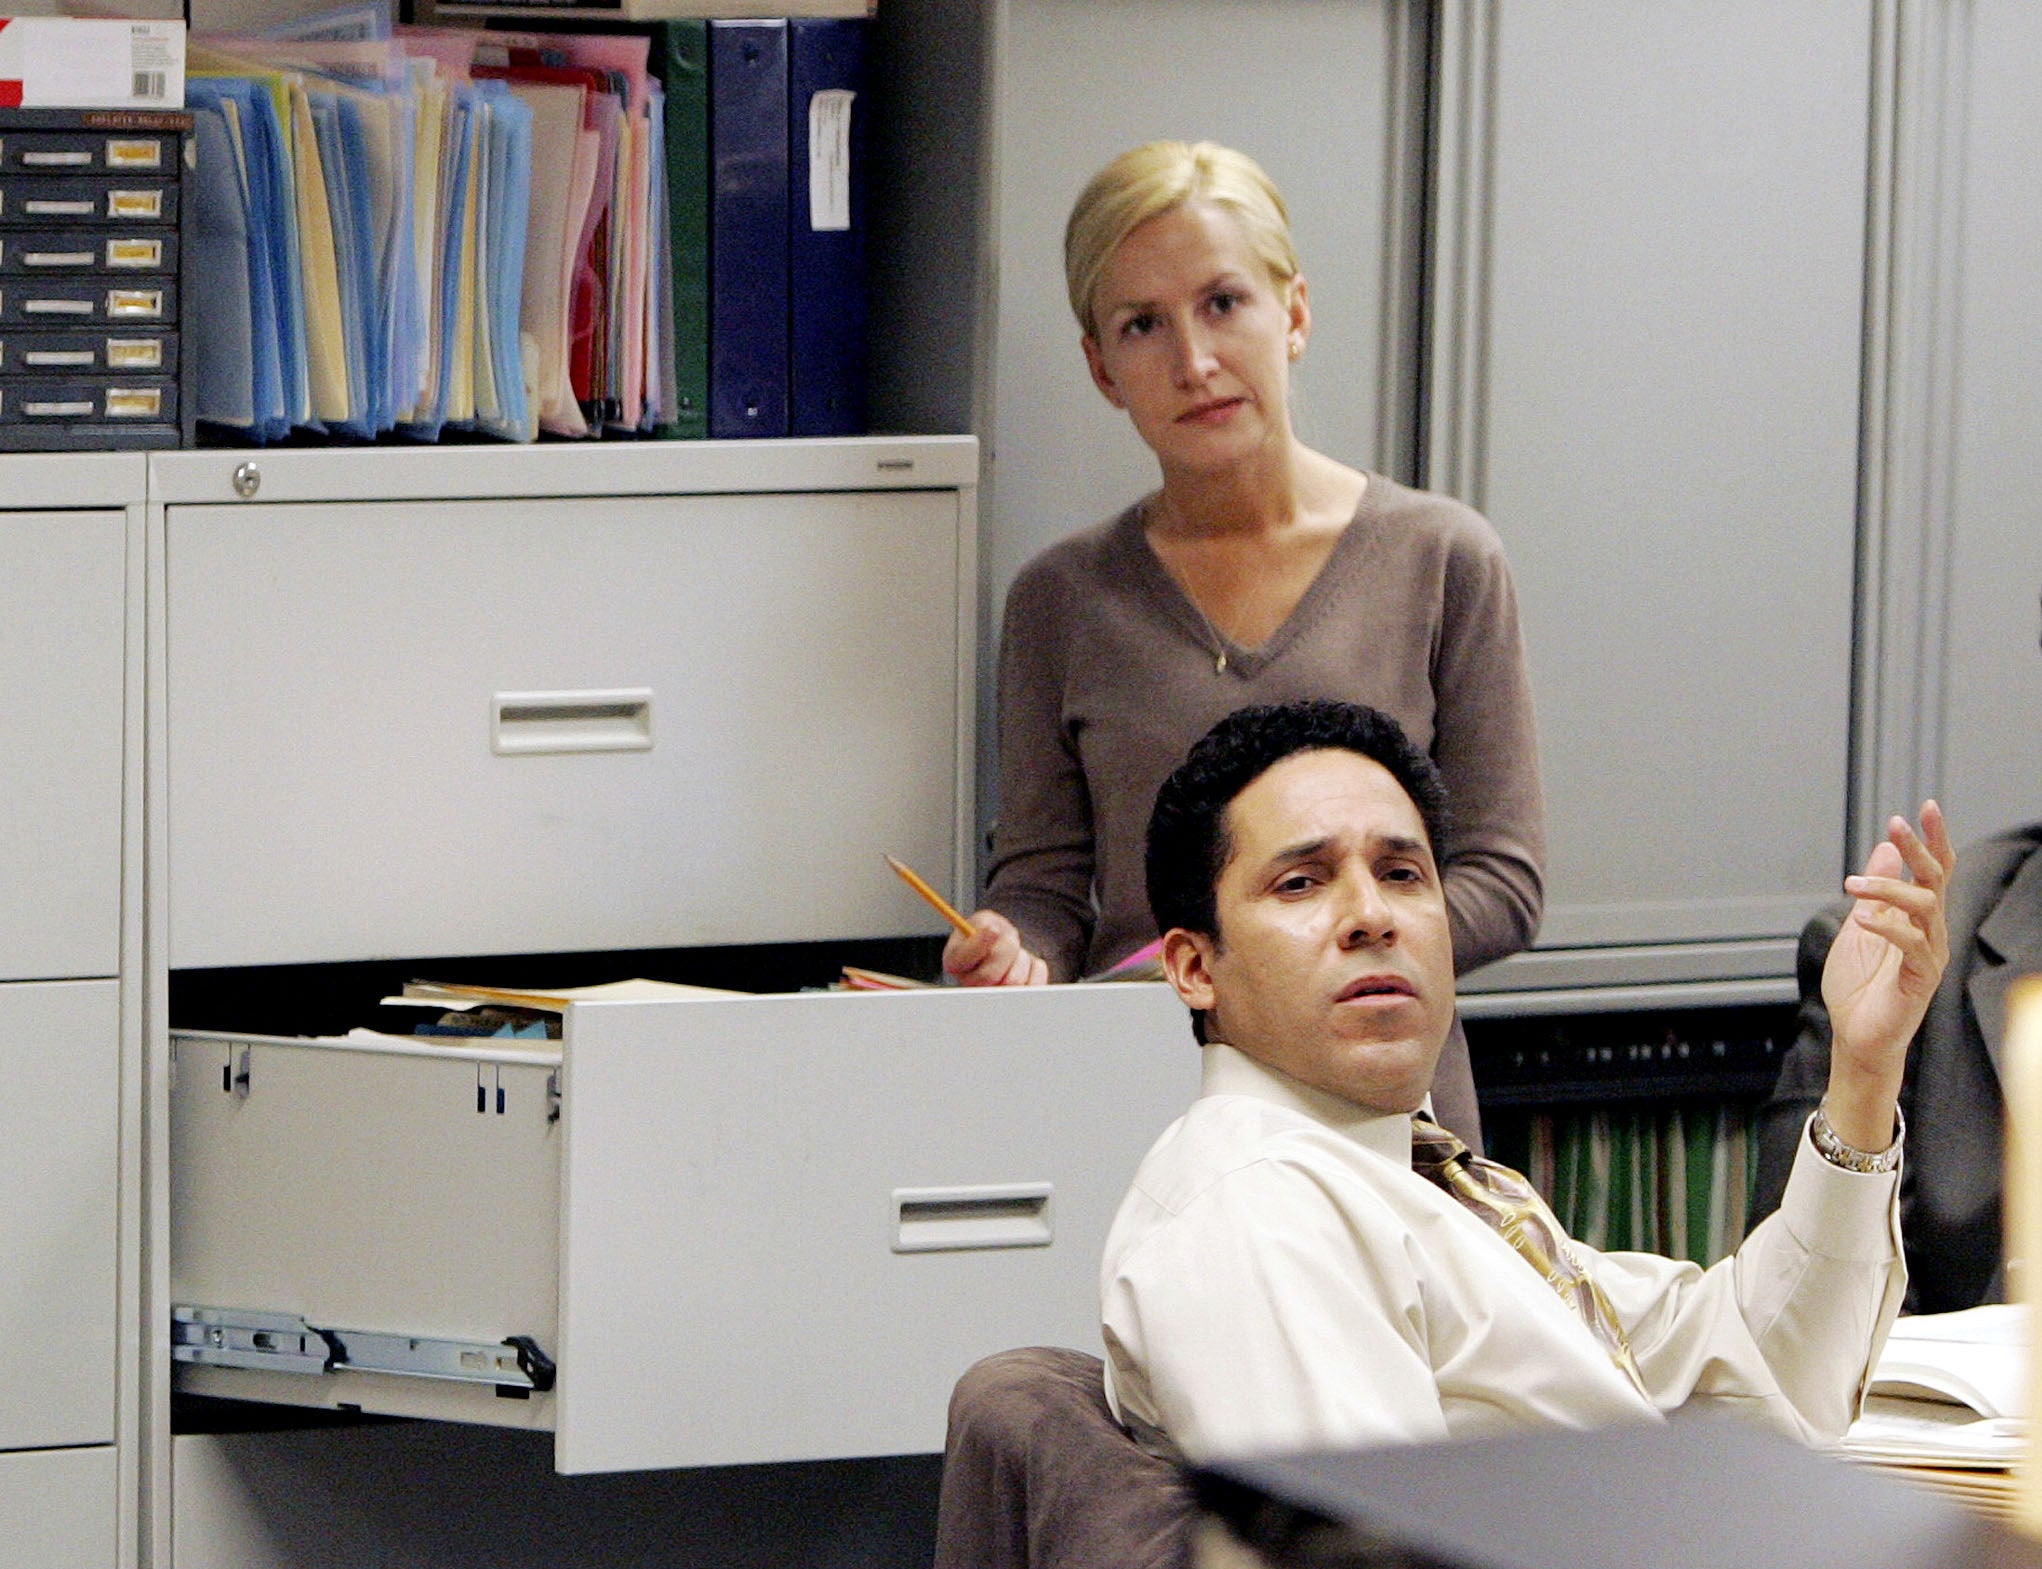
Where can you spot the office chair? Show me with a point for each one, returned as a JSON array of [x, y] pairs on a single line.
[[1038, 1475]]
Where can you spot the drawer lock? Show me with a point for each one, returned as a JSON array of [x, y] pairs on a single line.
[[285, 1343]]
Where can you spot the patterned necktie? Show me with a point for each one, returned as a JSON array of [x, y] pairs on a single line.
[[1510, 1205]]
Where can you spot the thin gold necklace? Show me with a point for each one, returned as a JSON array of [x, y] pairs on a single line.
[[1219, 643]]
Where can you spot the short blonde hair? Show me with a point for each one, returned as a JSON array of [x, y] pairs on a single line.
[[1154, 178]]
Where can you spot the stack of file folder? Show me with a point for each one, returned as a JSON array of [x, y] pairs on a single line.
[[508, 234], [92, 280], [363, 224], [1655, 1178]]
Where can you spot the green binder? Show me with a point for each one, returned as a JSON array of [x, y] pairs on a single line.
[[680, 58]]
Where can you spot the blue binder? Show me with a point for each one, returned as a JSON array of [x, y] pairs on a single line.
[[828, 112], [748, 278]]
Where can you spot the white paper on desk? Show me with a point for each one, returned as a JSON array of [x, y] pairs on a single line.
[[1975, 1358], [1933, 1432]]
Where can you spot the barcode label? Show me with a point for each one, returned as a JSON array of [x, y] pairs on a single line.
[[151, 84]]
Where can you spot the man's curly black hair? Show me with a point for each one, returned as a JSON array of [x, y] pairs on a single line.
[[1188, 845]]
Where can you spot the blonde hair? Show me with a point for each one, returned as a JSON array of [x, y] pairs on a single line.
[[1157, 177]]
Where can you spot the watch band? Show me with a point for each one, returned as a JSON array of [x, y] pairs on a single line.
[[1849, 1156]]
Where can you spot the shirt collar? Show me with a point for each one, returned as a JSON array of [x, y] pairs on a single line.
[[1231, 1072]]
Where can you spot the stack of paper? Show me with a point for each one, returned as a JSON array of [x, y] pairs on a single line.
[[457, 1013], [1945, 1404], [457, 994]]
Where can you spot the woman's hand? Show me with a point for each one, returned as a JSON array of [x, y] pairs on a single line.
[[992, 955]]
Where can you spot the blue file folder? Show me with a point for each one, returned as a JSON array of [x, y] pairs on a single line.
[[275, 348], [510, 174], [223, 373]]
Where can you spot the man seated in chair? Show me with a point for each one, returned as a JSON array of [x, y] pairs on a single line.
[[1303, 1261]]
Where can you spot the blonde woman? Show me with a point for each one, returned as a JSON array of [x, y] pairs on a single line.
[[1258, 571]]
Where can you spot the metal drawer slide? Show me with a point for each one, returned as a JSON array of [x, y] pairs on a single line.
[[285, 1343]]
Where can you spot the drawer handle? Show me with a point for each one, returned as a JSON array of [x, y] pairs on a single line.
[[1001, 1215], [616, 721]]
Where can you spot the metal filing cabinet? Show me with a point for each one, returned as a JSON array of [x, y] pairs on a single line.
[[70, 1038]]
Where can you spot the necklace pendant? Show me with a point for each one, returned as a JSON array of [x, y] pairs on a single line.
[[1219, 665]]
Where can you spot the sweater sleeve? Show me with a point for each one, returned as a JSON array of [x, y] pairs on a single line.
[[1041, 874], [1486, 746]]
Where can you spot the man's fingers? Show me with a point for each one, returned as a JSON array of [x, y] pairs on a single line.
[[1898, 926], [1885, 859], [1928, 868], [1936, 832], [1891, 891], [1925, 856]]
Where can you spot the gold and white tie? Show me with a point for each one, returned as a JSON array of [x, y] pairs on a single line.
[[1510, 1205]]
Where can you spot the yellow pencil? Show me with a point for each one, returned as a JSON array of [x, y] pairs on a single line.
[[937, 902]]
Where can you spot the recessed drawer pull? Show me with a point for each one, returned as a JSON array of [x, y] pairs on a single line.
[[996, 1215], [608, 721]]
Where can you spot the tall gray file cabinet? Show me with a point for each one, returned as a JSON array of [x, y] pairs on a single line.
[[562, 700], [69, 1028]]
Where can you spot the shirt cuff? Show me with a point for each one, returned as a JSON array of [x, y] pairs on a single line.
[[1840, 1214]]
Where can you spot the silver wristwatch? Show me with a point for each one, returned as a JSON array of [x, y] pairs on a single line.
[[1849, 1156]]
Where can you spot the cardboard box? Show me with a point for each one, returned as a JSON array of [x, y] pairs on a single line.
[[61, 62]]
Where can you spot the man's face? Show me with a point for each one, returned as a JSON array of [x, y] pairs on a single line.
[[1334, 963]]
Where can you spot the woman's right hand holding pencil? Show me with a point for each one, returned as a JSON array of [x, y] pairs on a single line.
[[992, 955]]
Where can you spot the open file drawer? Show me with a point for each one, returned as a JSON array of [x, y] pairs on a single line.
[[728, 1229]]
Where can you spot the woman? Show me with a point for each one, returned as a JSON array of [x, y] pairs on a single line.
[[1258, 571]]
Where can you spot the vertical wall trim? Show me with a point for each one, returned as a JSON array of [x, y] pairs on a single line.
[[1463, 150], [964, 855], [994, 50], [1401, 323], [1913, 275]]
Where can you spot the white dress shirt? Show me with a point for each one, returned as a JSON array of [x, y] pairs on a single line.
[[1279, 1278]]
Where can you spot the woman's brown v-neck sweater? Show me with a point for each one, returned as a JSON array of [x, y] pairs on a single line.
[[1106, 679]]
